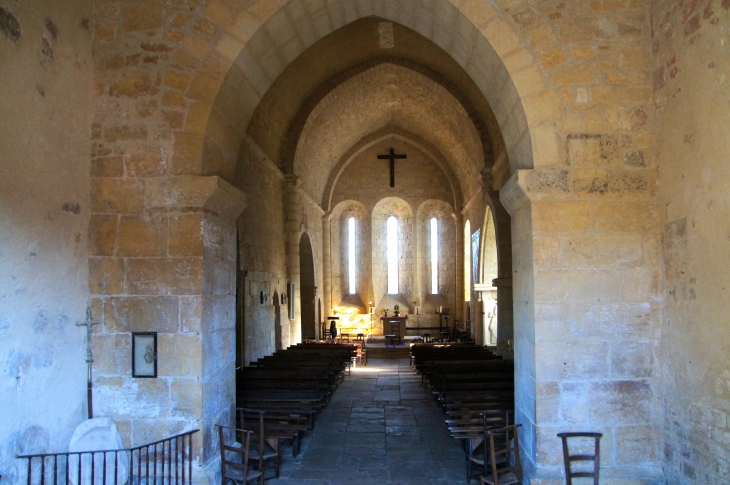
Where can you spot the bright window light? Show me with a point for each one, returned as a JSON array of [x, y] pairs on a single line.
[[392, 234], [467, 261], [434, 256], [351, 253]]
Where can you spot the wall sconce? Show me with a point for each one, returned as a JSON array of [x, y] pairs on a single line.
[[283, 298], [264, 297]]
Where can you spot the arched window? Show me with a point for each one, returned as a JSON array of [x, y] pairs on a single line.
[[392, 242], [434, 256], [467, 261], [351, 262]]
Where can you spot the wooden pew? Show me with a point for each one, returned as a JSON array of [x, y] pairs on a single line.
[[292, 386], [469, 382]]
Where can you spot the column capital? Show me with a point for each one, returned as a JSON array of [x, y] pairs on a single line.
[[526, 186], [486, 180], [195, 192], [292, 180]]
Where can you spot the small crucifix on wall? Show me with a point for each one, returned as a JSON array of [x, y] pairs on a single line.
[[392, 157]]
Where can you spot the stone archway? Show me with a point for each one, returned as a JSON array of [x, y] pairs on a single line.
[[488, 262], [308, 289], [210, 81]]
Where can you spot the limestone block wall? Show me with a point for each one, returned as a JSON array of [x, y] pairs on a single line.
[[262, 252], [526, 386], [45, 84], [168, 266], [367, 180], [312, 215], [447, 259], [340, 263], [594, 352], [392, 206], [388, 95], [690, 60], [218, 396]]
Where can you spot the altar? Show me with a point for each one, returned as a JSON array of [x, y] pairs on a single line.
[[394, 325]]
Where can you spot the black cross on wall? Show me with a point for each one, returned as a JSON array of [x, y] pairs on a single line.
[[392, 157]]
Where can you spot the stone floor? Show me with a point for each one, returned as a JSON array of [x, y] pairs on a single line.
[[381, 427]]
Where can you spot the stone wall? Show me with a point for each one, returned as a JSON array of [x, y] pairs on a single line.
[[167, 267], [363, 256], [447, 258], [392, 206], [311, 224], [262, 252], [365, 180], [690, 55], [46, 81]]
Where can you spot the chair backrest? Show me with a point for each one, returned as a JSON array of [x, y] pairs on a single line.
[[568, 459], [256, 430], [486, 427], [505, 456], [234, 459]]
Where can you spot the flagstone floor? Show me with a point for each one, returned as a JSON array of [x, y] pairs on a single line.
[[382, 427]]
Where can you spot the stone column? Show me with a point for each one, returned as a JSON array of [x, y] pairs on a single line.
[[168, 267], [586, 303], [505, 320], [292, 226], [327, 264], [459, 297]]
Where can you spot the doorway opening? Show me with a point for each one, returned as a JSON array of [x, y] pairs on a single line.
[[486, 291], [307, 288]]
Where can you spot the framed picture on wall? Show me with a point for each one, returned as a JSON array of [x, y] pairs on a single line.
[[144, 354]]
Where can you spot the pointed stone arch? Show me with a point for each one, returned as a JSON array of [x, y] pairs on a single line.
[[251, 55]]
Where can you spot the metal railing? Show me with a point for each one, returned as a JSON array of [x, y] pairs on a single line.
[[164, 462]]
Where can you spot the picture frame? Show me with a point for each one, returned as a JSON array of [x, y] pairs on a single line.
[[144, 354]]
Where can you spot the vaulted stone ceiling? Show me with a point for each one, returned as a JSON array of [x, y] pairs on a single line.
[[387, 95], [346, 86]]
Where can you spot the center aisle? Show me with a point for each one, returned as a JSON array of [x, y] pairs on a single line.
[[382, 426]]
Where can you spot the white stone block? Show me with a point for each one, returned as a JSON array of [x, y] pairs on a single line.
[[98, 434]]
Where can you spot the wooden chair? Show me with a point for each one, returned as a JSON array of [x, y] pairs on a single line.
[[502, 457], [568, 459], [361, 355], [265, 453], [234, 457]]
